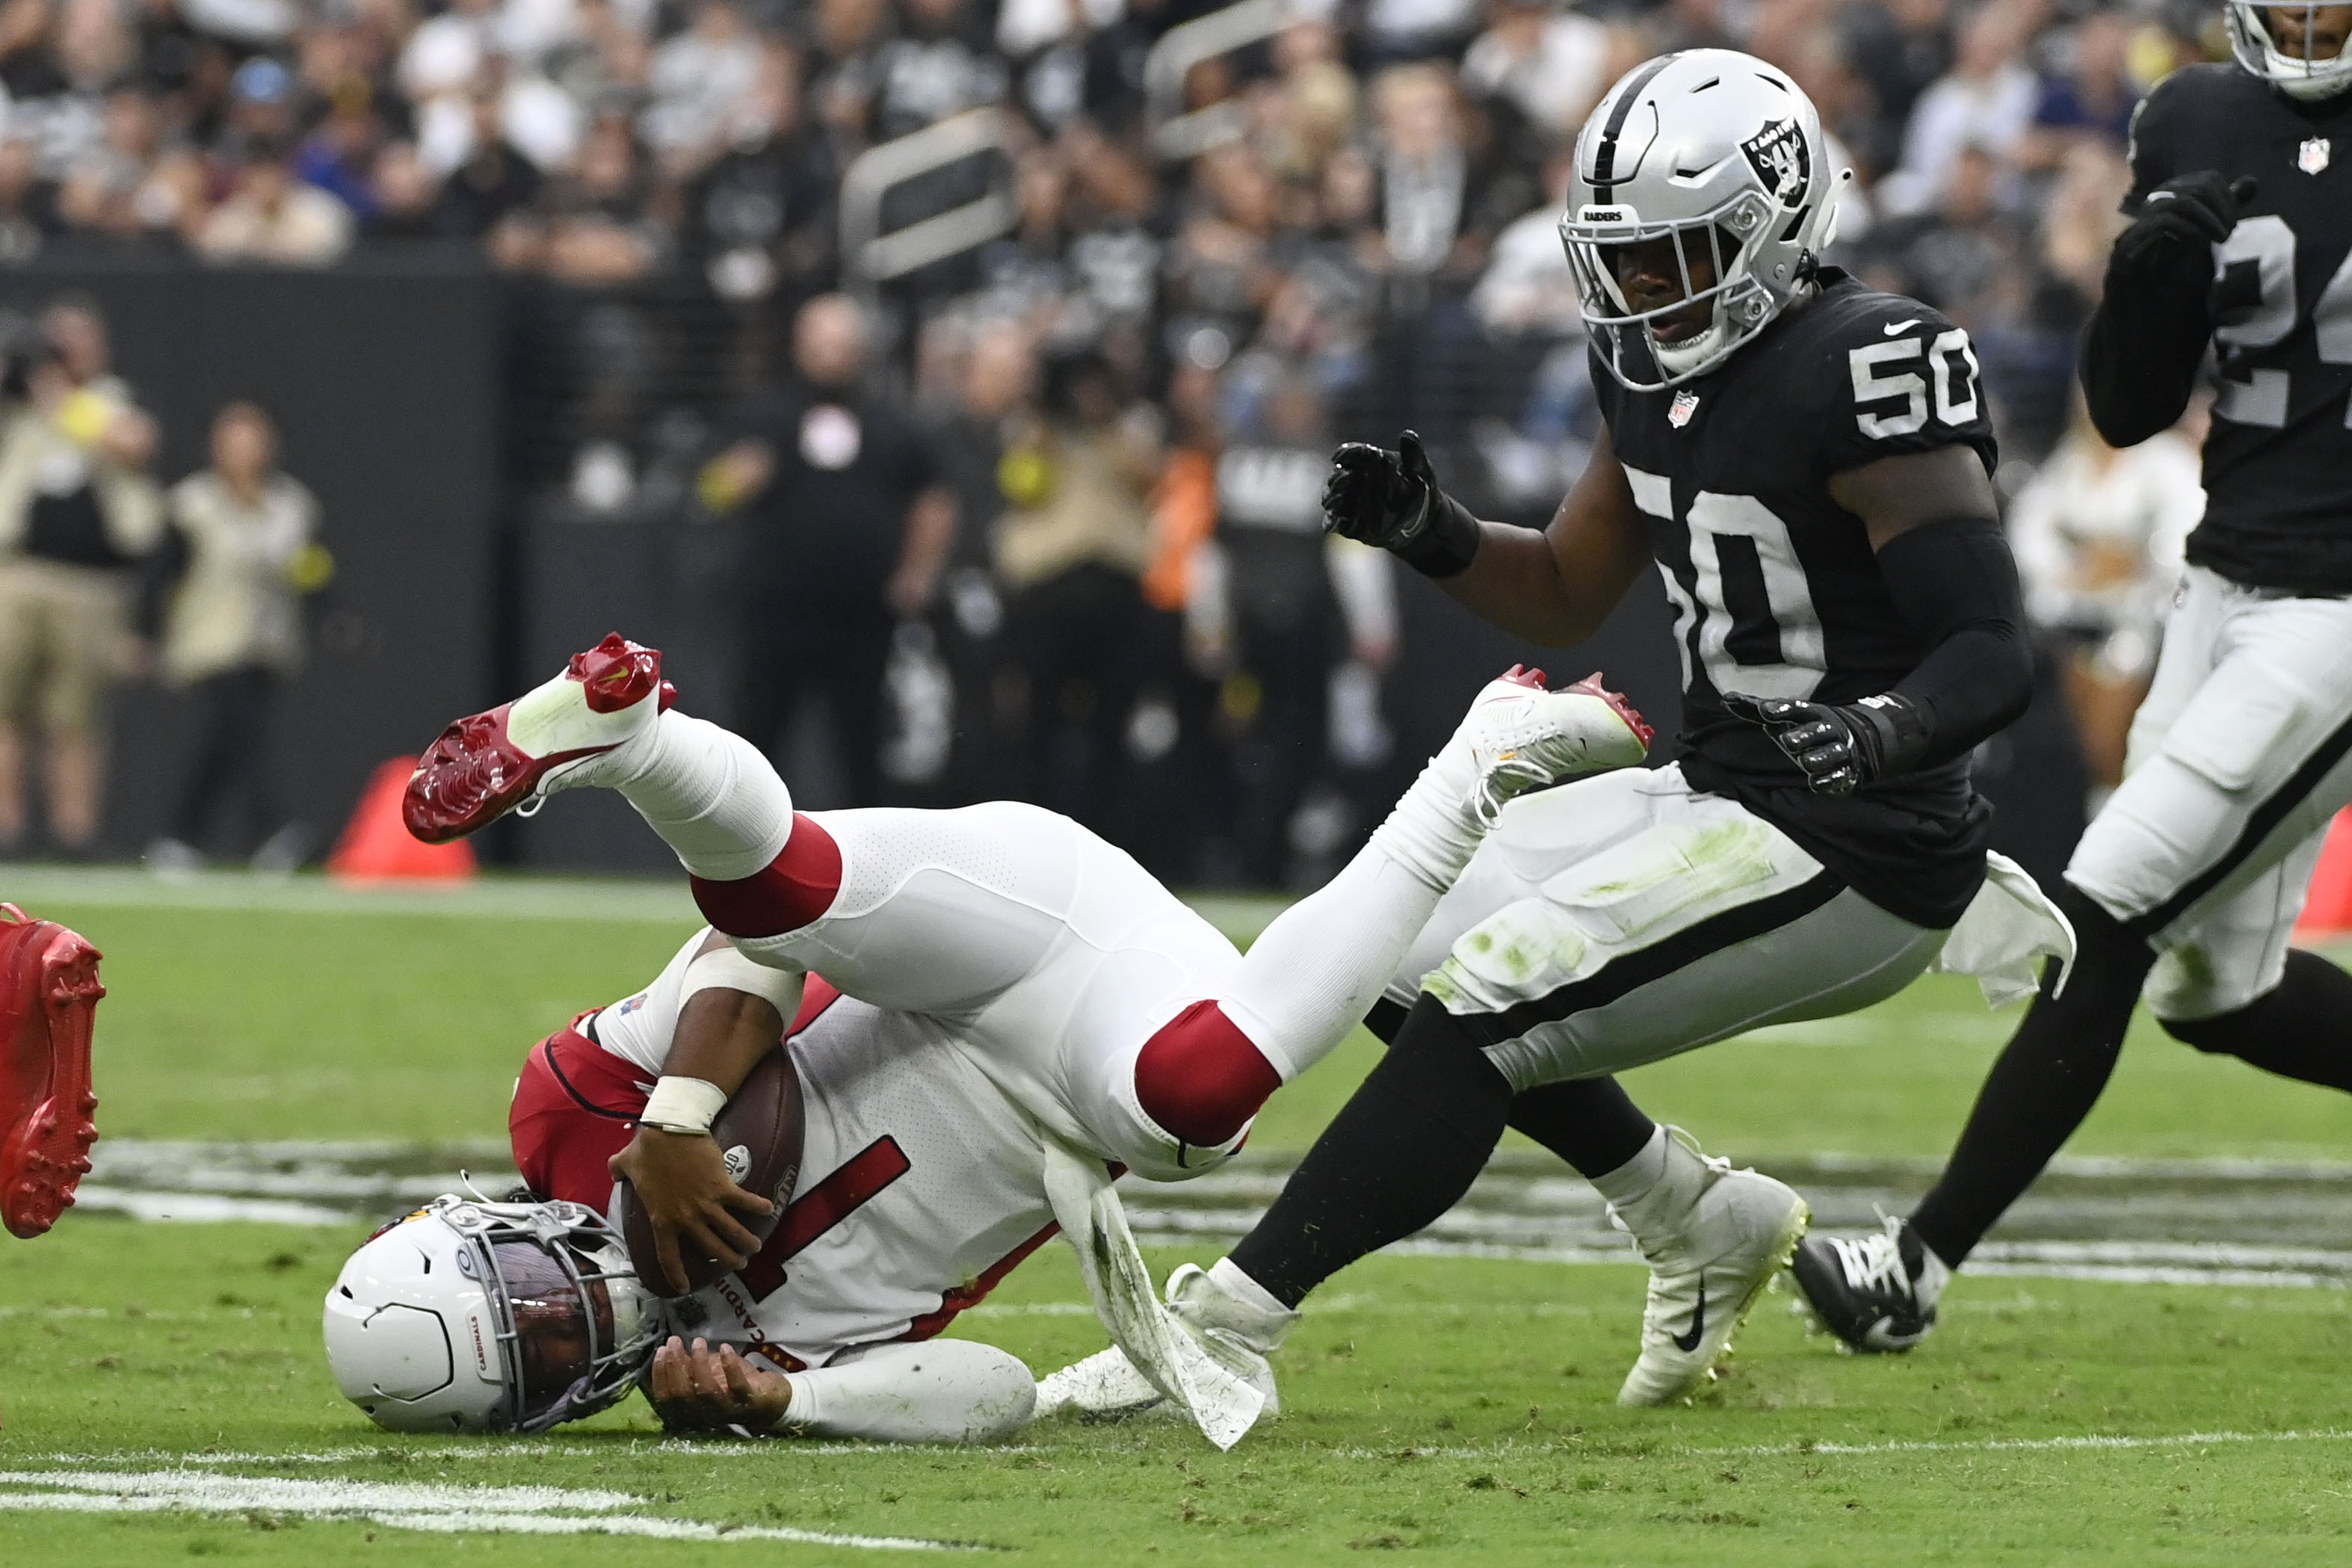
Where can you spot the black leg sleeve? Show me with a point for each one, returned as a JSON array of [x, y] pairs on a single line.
[[2300, 1030], [1591, 1123], [2044, 1084], [1398, 1155]]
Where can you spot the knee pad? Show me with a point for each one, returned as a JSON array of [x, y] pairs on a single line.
[[792, 891], [1201, 1079]]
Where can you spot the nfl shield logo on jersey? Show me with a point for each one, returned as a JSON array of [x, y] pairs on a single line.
[[2312, 156], [1684, 404]]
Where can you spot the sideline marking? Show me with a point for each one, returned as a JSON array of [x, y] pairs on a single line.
[[1799, 1448], [440, 1509]]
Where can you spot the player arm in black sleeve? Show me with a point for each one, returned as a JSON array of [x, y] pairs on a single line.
[[1554, 587], [1946, 564], [2146, 342]]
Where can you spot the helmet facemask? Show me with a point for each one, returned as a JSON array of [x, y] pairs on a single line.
[[1712, 257], [574, 1326], [2293, 70]]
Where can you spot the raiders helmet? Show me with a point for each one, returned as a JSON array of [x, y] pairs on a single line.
[[1723, 155], [471, 1316], [2296, 75]]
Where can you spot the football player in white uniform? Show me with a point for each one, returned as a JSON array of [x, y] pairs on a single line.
[[1025, 1006]]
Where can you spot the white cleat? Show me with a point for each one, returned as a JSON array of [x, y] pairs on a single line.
[[1103, 1387], [1238, 1336], [1520, 737], [1714, 1237]]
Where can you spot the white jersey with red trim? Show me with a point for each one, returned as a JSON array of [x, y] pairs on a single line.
[[921, 1180]]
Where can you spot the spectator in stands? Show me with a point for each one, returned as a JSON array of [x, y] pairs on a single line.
[[760, 219], [492, 182], [1551, 63], [2099, 535], [223, 592], [29, 214], [77, 509], [2094, 97], [1985, 102], [702, 82], [272, 216], [848, 525], [1071, 551]]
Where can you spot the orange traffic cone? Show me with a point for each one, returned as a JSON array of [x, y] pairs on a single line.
[[376, 845], [2327, 910]]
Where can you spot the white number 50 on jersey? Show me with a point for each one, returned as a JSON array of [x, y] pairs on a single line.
[[1885, 372], [1750, 613]]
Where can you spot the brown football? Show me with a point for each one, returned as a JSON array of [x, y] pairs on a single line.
[[758, 1133]]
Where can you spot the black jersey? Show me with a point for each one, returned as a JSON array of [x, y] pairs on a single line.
[[2278, 465], [1775, 587]]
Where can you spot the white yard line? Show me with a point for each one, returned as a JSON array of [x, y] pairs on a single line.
[[2096, 1442], [441, 1510]]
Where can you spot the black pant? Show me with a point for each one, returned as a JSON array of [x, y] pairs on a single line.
[[1078, 638], [232, 764], [1286, 647], [789, 651]]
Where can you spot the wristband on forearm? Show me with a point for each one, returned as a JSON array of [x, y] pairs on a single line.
[[685, 1106], [1442, 541]]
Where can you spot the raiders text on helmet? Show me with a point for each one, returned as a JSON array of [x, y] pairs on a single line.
[[2293, 72], [1722, 154]]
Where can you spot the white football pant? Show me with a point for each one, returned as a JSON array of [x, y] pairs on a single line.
[[1628, 918], [2238, 762]]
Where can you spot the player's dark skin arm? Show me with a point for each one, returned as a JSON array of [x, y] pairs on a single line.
[[682, 1181], [1556, 587], [1895, 495]]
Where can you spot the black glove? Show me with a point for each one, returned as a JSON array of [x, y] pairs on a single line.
[[1841, 747], [1391, 500], [2180, 222]]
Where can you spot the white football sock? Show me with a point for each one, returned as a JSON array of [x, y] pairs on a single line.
[[1432, 829], [1313, 974], [711, 795], [1933, 1276], [1228, 1278], [940, 1391], [1631, 1181]]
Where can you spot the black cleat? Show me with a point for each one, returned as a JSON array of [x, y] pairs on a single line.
[[1865, 1289]]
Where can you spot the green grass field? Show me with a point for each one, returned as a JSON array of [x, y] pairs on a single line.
[[1453, 1409]]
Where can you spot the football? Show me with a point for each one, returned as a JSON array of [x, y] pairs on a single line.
[[758, 1135]]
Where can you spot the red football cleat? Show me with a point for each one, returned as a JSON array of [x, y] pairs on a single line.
[[48, 999], [486, 765]]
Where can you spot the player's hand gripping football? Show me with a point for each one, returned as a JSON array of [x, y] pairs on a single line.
[[1838, 747], [2182, 220], [703, 1390], [681, 1182], [1391, 500]]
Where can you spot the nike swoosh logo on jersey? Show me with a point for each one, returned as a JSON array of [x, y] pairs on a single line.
[[1688, 1342], [1893, 327]]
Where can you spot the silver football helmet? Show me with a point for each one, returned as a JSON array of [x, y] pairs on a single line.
[[471, 1316], [1722, 156], [2298, 75]]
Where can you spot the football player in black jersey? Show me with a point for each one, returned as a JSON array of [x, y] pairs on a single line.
[[2186, 885], [1804, 462]]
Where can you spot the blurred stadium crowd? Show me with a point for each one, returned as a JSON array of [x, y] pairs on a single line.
[[1013, 335]]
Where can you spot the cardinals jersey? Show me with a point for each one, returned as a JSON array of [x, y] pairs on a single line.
[[2278, 464], [921, 1180], [1775, 587]]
